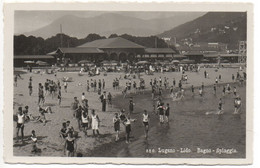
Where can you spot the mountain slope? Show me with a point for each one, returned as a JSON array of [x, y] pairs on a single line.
[[109, 23], [226, 27]]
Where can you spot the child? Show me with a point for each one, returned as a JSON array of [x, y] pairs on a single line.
[[34, 142]]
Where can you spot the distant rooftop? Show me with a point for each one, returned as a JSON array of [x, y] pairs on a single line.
[[116, 42], [80, 50], [33, 57], [159, 51]]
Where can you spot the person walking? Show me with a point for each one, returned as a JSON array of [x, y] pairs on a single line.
[[116, 121], [103, 99], [167, 113], [85, 121], [70, 145], [131, 105], [161, 112], [128, 128], [146, 123], [95, 123], [75, 106], [30, 88]]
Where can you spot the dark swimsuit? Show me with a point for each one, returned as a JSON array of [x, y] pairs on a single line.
[[70, 145]]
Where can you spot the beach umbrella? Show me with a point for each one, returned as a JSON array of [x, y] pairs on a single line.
[[84, 62], [175, 61], [204, 60], [40, 62], [29, 62], [225, 61], [142, 62]]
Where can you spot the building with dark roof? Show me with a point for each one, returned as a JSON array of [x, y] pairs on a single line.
[[117, 48]]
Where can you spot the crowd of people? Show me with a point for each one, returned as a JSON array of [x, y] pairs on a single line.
[[87, 118]]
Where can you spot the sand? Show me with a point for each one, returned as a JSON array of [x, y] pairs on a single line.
[[48, 136]]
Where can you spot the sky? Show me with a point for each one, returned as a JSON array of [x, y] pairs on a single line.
[[26, 21]]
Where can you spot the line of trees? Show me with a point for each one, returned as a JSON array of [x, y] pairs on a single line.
[[31, 45]]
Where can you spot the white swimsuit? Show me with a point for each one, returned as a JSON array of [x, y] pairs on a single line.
[[84, 119], [20, 119], [94, 122], [145, 118]]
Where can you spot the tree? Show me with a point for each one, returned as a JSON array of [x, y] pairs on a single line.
[[113, 36]]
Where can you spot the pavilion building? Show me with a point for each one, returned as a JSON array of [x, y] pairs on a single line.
[[118, 49]]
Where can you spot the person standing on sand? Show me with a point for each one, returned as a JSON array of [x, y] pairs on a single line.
[[220, 107], [200, 92], [63, 132], [146, 123], [161, 112], [224, 91], [116, 121], [40, 94], [85, 120], [131, 105], [65, 86], [180, 85], [78, 116], [128, 129], [15, 80], [235, 91], [192, 90], [75, 106], [103, 84], [35, 149], [167, 113], [103, 99], [215, 89], [59, 97], [20, 124], [70, 145], [95, 122], [237, 105], [109, 97], [30, 88]]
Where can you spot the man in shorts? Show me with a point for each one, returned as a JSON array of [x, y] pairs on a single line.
[[161, 112], [40, 94], [75, 106], [20, 123], [146, 123]]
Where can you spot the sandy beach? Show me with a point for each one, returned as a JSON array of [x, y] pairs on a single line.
[[51, 144]]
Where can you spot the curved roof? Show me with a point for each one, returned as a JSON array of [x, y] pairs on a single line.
[[116, 42], [80, 50]]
